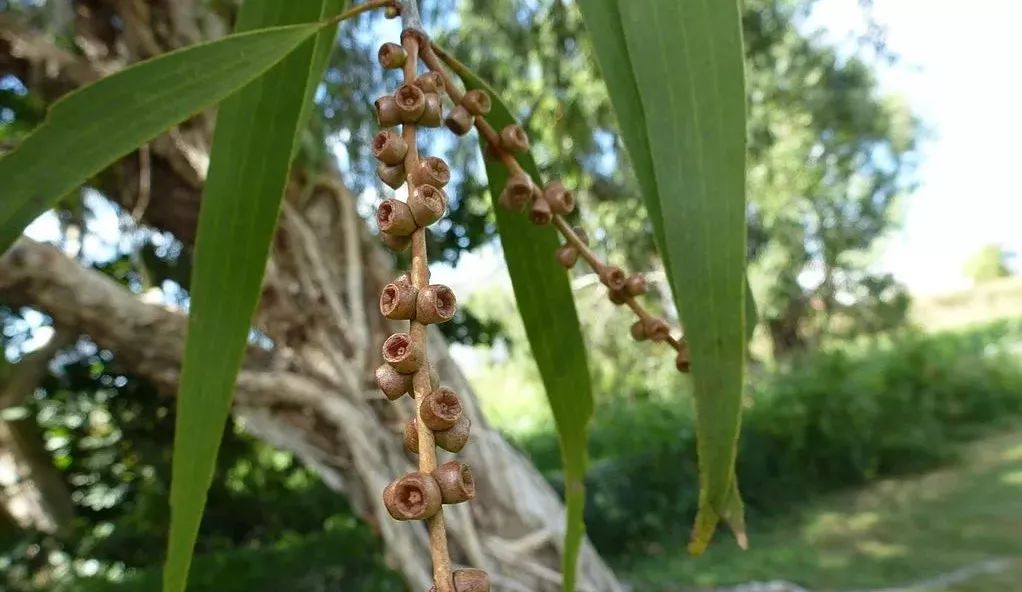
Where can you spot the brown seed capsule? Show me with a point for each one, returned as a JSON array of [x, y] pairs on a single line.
[[411, 436], [454, 439], [430, 82], [613, 277], [617, 296], [404, 278], [638, 331], [567, 256], [436, 304], [433, 114], [393, 176], [540, 212], [560, 199], [410, 101], [397, 301], [401, 352], [395, 217], [517, 192], [514, 139], [682, 362], [387, 112], [431, 171], [416, 496], [392, 56], [657, 329], [427, 204], [635, 285], [396, 243], [459, 120], [581, 234], [477, 101], [440, 409], [389, 147], [471, 580], [393, 384], [456, 482]]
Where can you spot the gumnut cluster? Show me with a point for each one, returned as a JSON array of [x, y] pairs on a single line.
[[440, 419]]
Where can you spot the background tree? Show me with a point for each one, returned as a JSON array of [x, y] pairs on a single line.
[[989, 263]]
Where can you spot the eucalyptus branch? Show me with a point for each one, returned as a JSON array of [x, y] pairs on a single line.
[[623, 289], [410, 18], [439, 417]]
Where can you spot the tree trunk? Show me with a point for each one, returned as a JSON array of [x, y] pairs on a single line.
[[313, 393]]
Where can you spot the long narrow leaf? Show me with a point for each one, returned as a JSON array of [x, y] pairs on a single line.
[[325, 42], [676, 78], [252, 148], [603, 22], [543, 293], [94, 126]]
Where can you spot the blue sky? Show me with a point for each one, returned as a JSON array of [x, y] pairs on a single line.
[[960, 72]]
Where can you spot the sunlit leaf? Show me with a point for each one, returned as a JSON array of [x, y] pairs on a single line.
[[94, 126], [675, 73], [252, 148], [547, 307]]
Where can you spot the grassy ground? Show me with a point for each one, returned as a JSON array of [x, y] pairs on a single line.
[[894, 533]]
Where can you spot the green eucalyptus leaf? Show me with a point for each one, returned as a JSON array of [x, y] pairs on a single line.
[[253, 144], [92, 127], [543, 293], [675, 73]]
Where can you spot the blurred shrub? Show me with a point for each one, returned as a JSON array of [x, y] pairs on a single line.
[[830, 420], [346, 557]]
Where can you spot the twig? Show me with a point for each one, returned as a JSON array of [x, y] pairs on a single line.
[[364, 7], [410, 18], [144, 184]]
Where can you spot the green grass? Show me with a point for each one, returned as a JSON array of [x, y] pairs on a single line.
[[894, 532]]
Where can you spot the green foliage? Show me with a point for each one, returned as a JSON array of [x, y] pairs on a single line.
[[904, 529], [345, 557], [989, 263], [110, 436], [249, 167], [82, 133], [686, 67], [832, 420], [829, 155], [547, 309], [829, 158]]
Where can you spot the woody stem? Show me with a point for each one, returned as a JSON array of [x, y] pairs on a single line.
[[417, 331]]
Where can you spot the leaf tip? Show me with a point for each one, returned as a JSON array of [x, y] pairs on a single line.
[[702, 531], [741, 537]]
